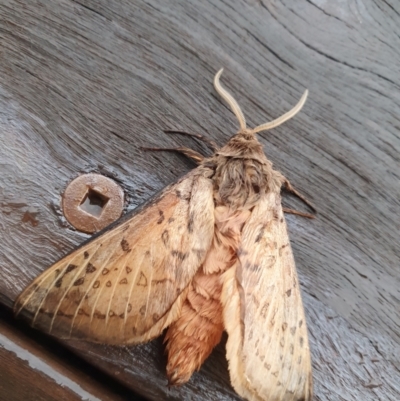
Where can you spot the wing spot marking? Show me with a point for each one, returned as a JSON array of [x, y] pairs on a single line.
[[125, 245], [182, 196], [281, 249], [273, 318], [162, 217], [190, 223], [70, 267], [61, 313], [264, 310], [199, 252], [270, 262], [260, 234], [252, 267], [99, 315], [162, 281], [90, 268], [81, 311], [180, 255], [80, 281], [165, 237], [142, 280]]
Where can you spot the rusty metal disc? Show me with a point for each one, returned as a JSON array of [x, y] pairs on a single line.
[[92, 202]]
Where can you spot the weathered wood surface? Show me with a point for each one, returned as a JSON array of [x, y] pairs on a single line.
[[85, 84], [30, 371]]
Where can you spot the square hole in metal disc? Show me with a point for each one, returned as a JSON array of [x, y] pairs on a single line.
[[93, 203]]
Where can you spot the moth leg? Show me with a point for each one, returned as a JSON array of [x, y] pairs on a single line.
[[302, 214], [209, 142], [289, 188], [192, 154]]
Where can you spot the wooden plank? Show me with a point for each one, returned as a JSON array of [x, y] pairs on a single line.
[[20, 382], [85, 84], [30, 371]]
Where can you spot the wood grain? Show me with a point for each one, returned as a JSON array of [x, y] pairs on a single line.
[[84, 84], [29, 370]]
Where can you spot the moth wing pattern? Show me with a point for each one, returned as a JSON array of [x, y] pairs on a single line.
[[128, 283], [267, 348]]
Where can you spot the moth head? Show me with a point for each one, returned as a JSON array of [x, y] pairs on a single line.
[[239, 114]]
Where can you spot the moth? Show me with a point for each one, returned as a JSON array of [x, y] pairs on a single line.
[[209, 253]]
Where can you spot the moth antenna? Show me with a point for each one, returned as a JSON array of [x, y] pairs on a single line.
[[287, 116], [230, 100]]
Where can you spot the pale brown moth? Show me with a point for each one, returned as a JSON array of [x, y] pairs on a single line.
[[210, 253]]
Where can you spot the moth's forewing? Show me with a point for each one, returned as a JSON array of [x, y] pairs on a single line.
[[267, 348], [125, 285]]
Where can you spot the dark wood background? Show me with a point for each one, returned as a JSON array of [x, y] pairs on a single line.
[[84, 84]]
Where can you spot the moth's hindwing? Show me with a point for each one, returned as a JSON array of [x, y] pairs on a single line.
[[126, 285], [267, 348]]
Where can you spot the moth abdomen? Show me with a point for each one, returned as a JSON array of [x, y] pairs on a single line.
[[192, 337]]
